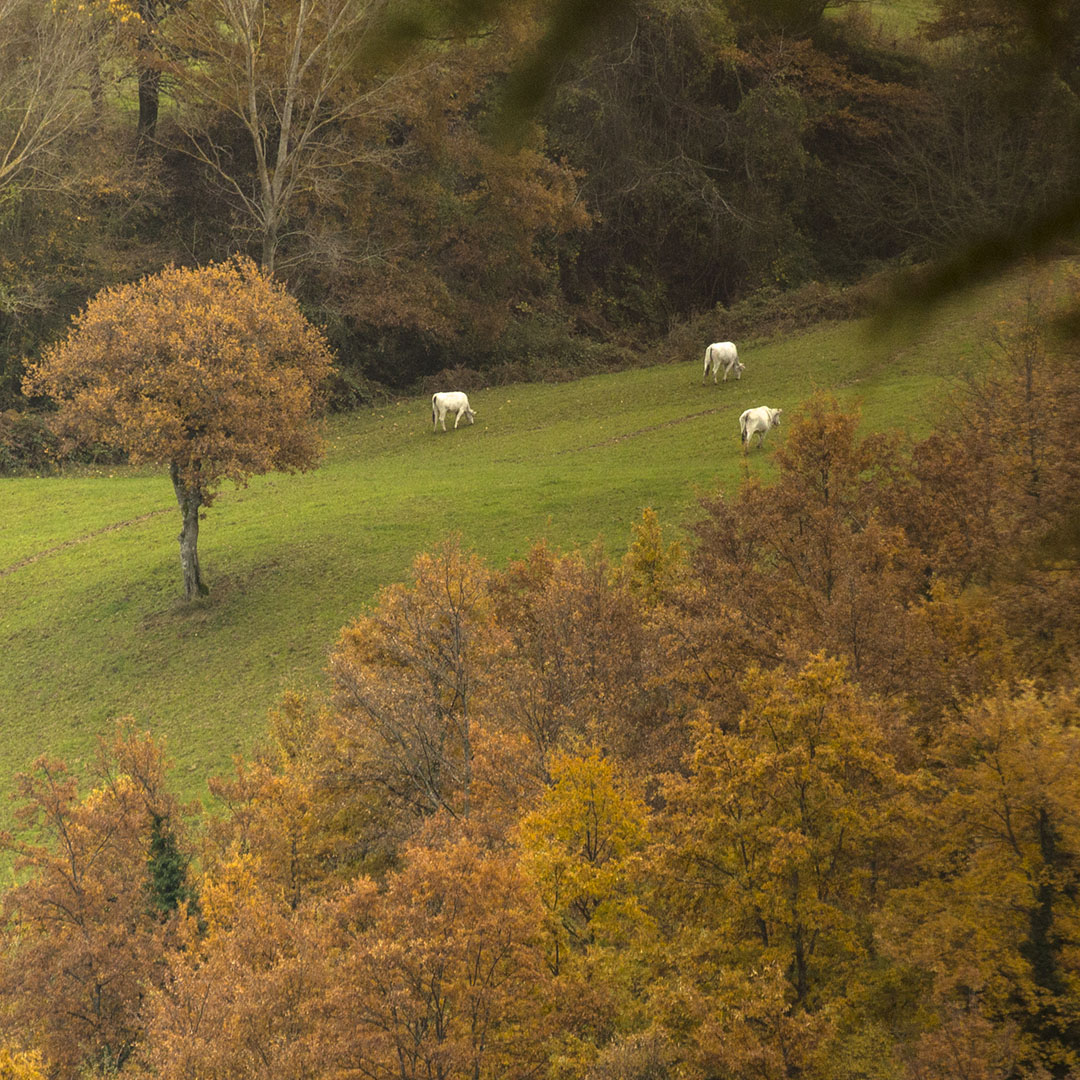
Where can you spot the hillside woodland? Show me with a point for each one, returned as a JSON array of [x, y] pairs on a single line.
[[685, 157], [798, 797]]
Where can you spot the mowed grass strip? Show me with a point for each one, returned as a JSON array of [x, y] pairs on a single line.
[[93, 626]]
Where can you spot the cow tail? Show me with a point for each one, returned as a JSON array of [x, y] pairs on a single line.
[[433, 410], [742, 429]]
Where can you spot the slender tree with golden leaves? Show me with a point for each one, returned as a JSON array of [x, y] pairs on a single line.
[[214, 372], [774, 851]]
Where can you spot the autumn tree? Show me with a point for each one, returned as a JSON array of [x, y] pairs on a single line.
[[579, 655], [295, 811], [149, 63], [443, 976], [122, 35], [407, 681], [85, 928], [991, 498], [652, 566], [243, 994], [776, 849], [994, 921], [214, 372], [363, 171], [809, 561], [583, 847], [580, 846], [283, 73]]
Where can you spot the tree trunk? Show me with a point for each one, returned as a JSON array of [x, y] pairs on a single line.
[[190, 500], [149, 96], [97, 93], [149, 77]]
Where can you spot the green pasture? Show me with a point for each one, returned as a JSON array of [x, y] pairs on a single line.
[[92, 625], [896, 21]]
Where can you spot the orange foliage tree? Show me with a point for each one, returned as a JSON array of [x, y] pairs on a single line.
[[408, 679], [84, 931], [214, 372], [579, 656], [811, 558], [243, 995], [444, 974], [301, 814]]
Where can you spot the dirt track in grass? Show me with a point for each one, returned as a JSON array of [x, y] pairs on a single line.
[[85, 538]]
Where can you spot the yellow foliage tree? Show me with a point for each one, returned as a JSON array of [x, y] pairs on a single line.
[[214, 372], [995, 919], [582, 847], [775, 849], [20, 1064]]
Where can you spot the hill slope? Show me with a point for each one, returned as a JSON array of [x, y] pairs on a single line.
[[92, 625]]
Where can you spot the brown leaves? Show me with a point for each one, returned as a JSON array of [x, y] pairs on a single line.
[[408, 679], [215, 371], [83, 939], [448, 980]]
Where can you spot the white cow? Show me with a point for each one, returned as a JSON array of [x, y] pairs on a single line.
[[453, 401], [758, 421], [722, 354]]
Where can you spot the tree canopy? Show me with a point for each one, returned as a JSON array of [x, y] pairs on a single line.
[[214, 372]]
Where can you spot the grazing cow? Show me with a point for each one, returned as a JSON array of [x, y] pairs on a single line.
[[454, 402], [722, 354], [758, 421]]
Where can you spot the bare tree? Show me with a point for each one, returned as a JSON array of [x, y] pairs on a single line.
[[45, 78], [285, 73]]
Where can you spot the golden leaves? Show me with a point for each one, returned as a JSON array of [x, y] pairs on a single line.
[[214, 370]]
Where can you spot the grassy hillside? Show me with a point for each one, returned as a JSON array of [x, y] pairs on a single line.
[[92, 625]]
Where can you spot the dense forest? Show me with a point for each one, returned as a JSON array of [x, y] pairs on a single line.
[[794, 796], [678, 158]]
